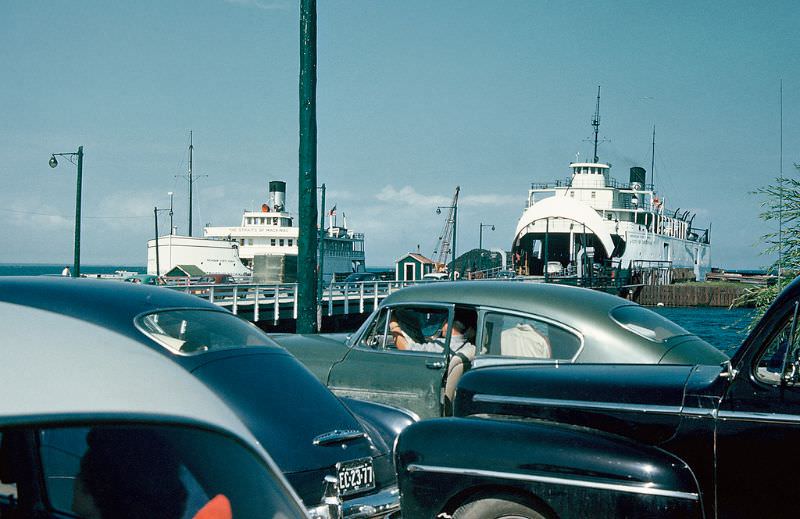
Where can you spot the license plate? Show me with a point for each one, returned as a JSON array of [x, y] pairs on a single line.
[[355, 476]]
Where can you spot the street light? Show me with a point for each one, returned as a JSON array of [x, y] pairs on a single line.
[[170, 214], [156, 210], [454, 208], [480, 235], [76, 268]]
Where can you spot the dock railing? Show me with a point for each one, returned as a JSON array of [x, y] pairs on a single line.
[[270, 301]]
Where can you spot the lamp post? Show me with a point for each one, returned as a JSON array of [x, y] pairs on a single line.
[[480, 235], [155, 221], [171, 227], [76, 268], [454, 212]]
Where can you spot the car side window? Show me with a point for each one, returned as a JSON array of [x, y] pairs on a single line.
[[377, 336], [525, 337], [421, 326], [771, 365]]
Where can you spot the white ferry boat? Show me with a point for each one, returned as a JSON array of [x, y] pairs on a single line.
[[265, 239], [590, 216]]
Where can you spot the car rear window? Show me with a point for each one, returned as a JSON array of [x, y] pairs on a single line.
[[646, 323], [195, 331], [149, 469]]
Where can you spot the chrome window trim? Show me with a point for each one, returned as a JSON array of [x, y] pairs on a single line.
[[759, 417], [619, 487], [578, 404], [483, 310]]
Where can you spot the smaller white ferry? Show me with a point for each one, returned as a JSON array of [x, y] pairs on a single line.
[[265, 243]]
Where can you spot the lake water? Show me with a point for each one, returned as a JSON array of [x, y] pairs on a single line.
[[725, 329]]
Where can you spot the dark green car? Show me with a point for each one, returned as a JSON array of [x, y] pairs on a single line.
[[506, 322]]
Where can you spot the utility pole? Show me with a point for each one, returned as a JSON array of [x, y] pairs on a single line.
[[307, 246], [190, 182], [155, 220]]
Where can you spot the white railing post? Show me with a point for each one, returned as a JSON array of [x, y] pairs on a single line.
[[276, 312], [361, 298], [235, 299], [294, 301], [255, 304]]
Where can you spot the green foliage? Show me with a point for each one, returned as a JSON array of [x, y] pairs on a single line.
[[780, 205]]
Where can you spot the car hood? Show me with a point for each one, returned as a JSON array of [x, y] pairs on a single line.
[[287, 409], [317, 351], [645, 402]]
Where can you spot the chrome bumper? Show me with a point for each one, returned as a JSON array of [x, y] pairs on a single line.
[[374, 506]]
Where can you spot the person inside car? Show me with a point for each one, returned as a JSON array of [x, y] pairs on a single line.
[[463, 349], [128, 473]]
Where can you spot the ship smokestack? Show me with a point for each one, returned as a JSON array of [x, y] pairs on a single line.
[[277, 195], [637, 177]]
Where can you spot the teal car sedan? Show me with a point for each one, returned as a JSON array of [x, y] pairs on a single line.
[[458, 326]]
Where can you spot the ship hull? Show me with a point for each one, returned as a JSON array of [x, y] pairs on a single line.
[[210, 256]]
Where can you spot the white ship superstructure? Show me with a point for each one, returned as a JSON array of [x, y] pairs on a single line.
[[592, 213], [592, 217], [268, 233]]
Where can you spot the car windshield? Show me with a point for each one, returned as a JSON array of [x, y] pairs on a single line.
[[194, 331], [646, 323]]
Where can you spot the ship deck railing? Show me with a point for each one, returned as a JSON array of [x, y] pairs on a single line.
[[612, 182]]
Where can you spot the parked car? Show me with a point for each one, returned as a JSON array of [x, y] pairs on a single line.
[[146, 279], [510, 322], [507, 274], [619, 440], [353, 283], [91, 422], [328, 451]]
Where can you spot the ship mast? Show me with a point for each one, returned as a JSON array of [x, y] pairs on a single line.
[[190, 182], [653, 162], [596, 124]]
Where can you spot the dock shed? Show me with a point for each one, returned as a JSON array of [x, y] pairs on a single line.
[[413, 266]]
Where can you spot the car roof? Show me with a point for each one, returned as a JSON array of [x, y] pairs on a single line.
[[110, 303], [58, 365], [565, 303]]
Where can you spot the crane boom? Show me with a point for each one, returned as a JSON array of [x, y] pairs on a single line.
[[446, 238]]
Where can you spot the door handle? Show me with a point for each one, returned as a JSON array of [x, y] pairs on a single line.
[[434, 364]]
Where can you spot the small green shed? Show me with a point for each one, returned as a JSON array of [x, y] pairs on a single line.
[[413, 266], [185, 271]]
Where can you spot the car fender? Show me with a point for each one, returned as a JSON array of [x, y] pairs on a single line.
[[565, 470], [386, 420]]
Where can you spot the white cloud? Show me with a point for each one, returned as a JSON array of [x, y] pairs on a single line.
[[408, 196]]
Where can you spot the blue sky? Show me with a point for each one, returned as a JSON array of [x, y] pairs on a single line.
[[414, 98]]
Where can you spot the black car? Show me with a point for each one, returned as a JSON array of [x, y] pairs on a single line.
[[582, 440], [330, 452]]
